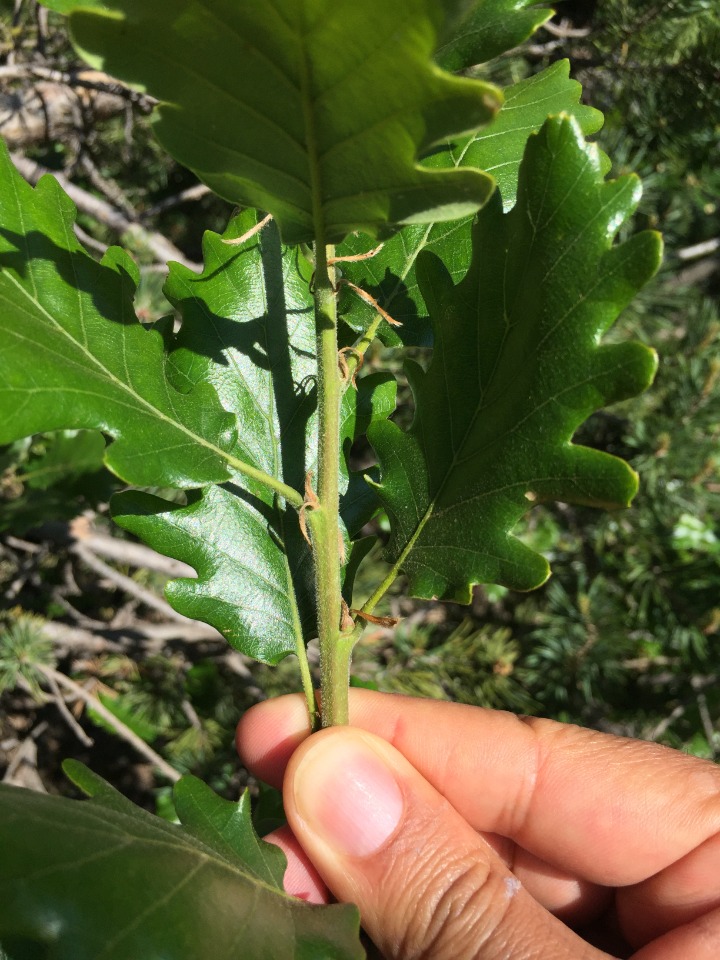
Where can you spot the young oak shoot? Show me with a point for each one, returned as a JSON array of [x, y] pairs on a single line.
[[342, 122], [495, 399]]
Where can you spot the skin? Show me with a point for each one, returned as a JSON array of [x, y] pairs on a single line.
[[492, 836]]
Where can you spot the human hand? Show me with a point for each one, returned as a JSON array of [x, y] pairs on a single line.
[[468, 833]]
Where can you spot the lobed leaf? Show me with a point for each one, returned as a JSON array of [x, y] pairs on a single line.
[[517, 367], [236, 396], [324, 108], [498, 148], [74, 355], [210, 885], [248, 329]]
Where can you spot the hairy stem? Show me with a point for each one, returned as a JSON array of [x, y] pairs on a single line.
[[360, 348], [324, 518]]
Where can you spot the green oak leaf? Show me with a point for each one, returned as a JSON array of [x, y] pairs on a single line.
[[517, 367], [74, 356], [489, 28], [67, 6], [254, 574], [248, 329], [208, 885], [315, 112], [498, 148]]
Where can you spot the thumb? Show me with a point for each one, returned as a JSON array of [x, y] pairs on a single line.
[[427, 885]]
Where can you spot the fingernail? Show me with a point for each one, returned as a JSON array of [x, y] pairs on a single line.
[[347, 795]]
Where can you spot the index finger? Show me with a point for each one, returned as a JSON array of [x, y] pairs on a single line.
[[612, 810]]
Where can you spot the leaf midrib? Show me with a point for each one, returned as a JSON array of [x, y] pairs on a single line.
[[457, 460], [139, 401]]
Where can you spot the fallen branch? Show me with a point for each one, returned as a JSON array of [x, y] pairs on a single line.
[[195, 192], [127, 584], [67, 716], [153, 636], [83, 79], [22, 769], [118, 726], [698, 250], [565, 30], [54, 107], [127, 551]]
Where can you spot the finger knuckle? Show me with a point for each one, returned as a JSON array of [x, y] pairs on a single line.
[[451, 904]]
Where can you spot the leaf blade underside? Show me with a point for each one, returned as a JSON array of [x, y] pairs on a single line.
[[324, 111], [498, 148]]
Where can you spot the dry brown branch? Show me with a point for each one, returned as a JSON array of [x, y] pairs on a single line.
[[22, 769], [195, 192], [708, 728], [666, 722], [128, 552], [697, 250], [565, 30], [55, 106], [107, 187], [127, 584], [67, 716], [78, 640], [69, 639], [82, 79], [90, 242], [120, 728]]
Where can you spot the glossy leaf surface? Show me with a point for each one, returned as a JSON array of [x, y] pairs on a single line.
[[517, 367], [75, 356], [248, 329], [238, 390], [324, 108], [489, 28], [498, 148], [210, 885]]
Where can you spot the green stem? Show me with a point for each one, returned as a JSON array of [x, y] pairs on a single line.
[[360, 348], [277, 486], [301, 652], [307, 682], [324, 518], [394, 571]]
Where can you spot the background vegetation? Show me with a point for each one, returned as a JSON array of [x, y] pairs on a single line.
[[624, 637]]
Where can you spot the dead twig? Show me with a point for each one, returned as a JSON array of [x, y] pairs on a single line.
[[127, 584], [59, 702], [108, 188], [22, 769], [130, 553], [185, 196], [565, 30], [84, 79], [698, 250], [118, 726]]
